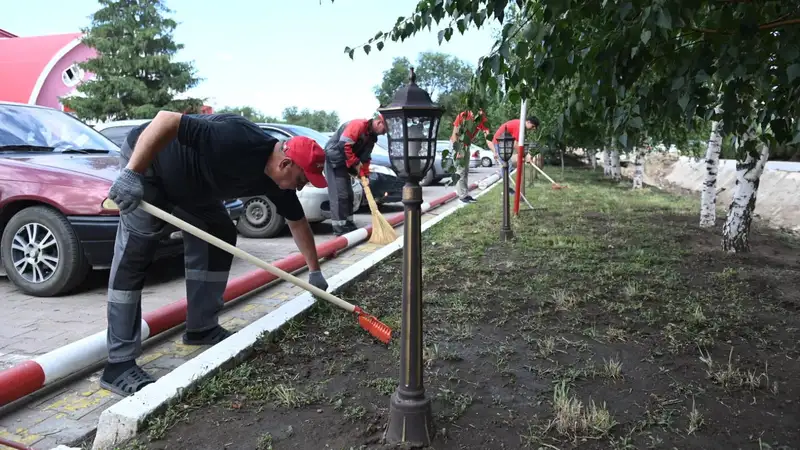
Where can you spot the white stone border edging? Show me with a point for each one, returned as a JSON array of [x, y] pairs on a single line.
[[124, 420]]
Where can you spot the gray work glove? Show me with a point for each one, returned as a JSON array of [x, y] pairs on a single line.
[[127, 191], [316, 279]]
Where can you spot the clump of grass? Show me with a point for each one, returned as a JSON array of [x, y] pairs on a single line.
[[545, 347], [354, 413], [695, 420], [563, 300], [730, 377], [158, 426], [383, 386], [631, 289], [572, 419], [697, 317], [612, 368], [459, 402], [616, 334]]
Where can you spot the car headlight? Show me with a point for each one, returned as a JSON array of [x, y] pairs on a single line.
[[382, 170], [109, 204]]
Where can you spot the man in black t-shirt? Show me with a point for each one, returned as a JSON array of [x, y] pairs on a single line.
[[188, 165]]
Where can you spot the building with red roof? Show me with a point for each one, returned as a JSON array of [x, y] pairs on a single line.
[[39, 70]]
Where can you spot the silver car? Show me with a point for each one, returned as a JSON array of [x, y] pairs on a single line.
[[437, 173]]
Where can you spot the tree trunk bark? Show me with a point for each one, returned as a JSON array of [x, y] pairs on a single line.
[[638, 164], [607, 162], [593, 157], [562, 164], [708, 200], [616, 171], [736, 231]]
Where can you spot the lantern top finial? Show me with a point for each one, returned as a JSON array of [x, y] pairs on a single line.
[[412, 96]]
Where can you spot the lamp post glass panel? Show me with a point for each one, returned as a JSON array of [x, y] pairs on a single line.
[[412, 123], [411, 149], [506, 143]]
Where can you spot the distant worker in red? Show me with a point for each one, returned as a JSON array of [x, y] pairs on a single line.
[[348, 154], [466, 123], [512, 126]]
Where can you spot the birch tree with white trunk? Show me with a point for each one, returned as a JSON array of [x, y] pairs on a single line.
[[593, 156], [606, 162], [638, 167], [708, 199], [736, 231], [616, 171]]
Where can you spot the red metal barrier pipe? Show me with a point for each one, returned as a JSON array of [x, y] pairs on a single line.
[[14, 445]]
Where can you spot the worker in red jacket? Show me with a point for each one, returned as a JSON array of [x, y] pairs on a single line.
[[468, 124], [512, 126], [348, 154]]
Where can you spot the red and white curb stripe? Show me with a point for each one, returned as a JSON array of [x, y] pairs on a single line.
[[124, 419], [30, 376]]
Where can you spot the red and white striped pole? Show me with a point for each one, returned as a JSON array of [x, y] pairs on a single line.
[[520, 157]]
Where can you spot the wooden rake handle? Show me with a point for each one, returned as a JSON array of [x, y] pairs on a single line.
[[542, 172], [239, 253]]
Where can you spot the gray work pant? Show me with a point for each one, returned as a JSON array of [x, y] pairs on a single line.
[[462, 185], [340, 193], [137, 240]]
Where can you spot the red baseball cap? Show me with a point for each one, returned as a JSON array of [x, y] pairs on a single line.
[[306, 153]]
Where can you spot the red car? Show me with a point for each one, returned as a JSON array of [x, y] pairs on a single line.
[[56, 223]]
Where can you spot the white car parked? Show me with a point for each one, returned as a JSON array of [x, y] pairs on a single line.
[[260, 217], [478, 156]]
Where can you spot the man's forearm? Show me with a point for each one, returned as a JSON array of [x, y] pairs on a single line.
[[162, 130], [304, 238], [454, 135]]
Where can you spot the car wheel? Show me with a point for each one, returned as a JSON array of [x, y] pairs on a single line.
[[260, 219], [428, 180], [486, 162], [41, 252]]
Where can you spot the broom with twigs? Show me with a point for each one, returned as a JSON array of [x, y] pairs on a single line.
[[382, 231]]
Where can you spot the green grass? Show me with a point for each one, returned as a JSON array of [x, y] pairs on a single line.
[[611, 321]]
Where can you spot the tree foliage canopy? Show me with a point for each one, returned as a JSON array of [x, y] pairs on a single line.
[[135, 75], [319, 120], [438, 73], [248, 112], [627, 71]]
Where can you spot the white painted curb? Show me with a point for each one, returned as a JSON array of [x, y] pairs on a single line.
[[124, 420]]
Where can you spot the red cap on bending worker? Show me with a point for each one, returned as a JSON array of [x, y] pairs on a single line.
[[309, 156]]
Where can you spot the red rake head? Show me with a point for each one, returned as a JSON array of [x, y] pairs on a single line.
[[378, 329], [558, 186]]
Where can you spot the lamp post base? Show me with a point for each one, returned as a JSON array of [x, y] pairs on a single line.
[[505, 231], [410, 422]]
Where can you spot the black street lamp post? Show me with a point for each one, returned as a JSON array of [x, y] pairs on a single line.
[[506, 143], [412, 123]]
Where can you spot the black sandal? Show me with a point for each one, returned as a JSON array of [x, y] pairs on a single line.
[[129, 382]]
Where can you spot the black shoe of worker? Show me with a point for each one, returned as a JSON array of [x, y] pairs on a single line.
[[340, 230]]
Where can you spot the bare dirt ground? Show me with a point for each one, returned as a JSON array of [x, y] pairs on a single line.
[[611, 322]]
